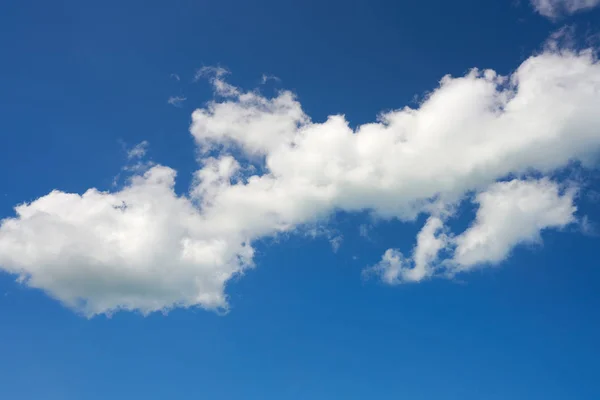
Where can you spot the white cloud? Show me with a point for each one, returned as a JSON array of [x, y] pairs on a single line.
[[394, 268], [164, 250], [336, 243], [430, 241], [364, 230], [138, 151], [511, 213], [470, 132], [258, 124], [142, 248], [216, 76], [176, 101], [555, 8], [137, 164], [265, 78]]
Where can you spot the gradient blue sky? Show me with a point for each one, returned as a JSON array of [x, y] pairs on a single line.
[[81, 82]]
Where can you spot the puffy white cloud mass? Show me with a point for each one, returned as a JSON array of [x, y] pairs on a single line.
[[555, 8], [147, 248], [511, 213], [142, 248]]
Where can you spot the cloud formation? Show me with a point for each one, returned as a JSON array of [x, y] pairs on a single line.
[[266, 78], [394, 268], [147, 248], [555, 8], [142, 248], [176, 101], [510, 213], [138, 151]]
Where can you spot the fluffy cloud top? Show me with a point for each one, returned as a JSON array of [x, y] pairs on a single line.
[[555, 8], [146, 248]]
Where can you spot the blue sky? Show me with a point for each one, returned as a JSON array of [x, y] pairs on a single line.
[[446, 251]]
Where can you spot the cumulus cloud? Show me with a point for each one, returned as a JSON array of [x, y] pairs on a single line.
[[512, 213], [556, 8], [509, 214], [142, 248], [146, 248]]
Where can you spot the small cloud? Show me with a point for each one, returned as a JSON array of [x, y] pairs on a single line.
[[176, 77], [176, 101], [363, 230], [554, 9], [215, 77], [336, 242], [563, 38], [210, 72], [136, 163], [138, 151], [265, 78], [587, 227]]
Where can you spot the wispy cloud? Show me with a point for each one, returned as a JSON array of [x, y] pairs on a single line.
[[554, 9], [210, 71], [176, 101], [136, 161], [336, 243], [364, 230], [138, 151], [265, 78], [215, 76]]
